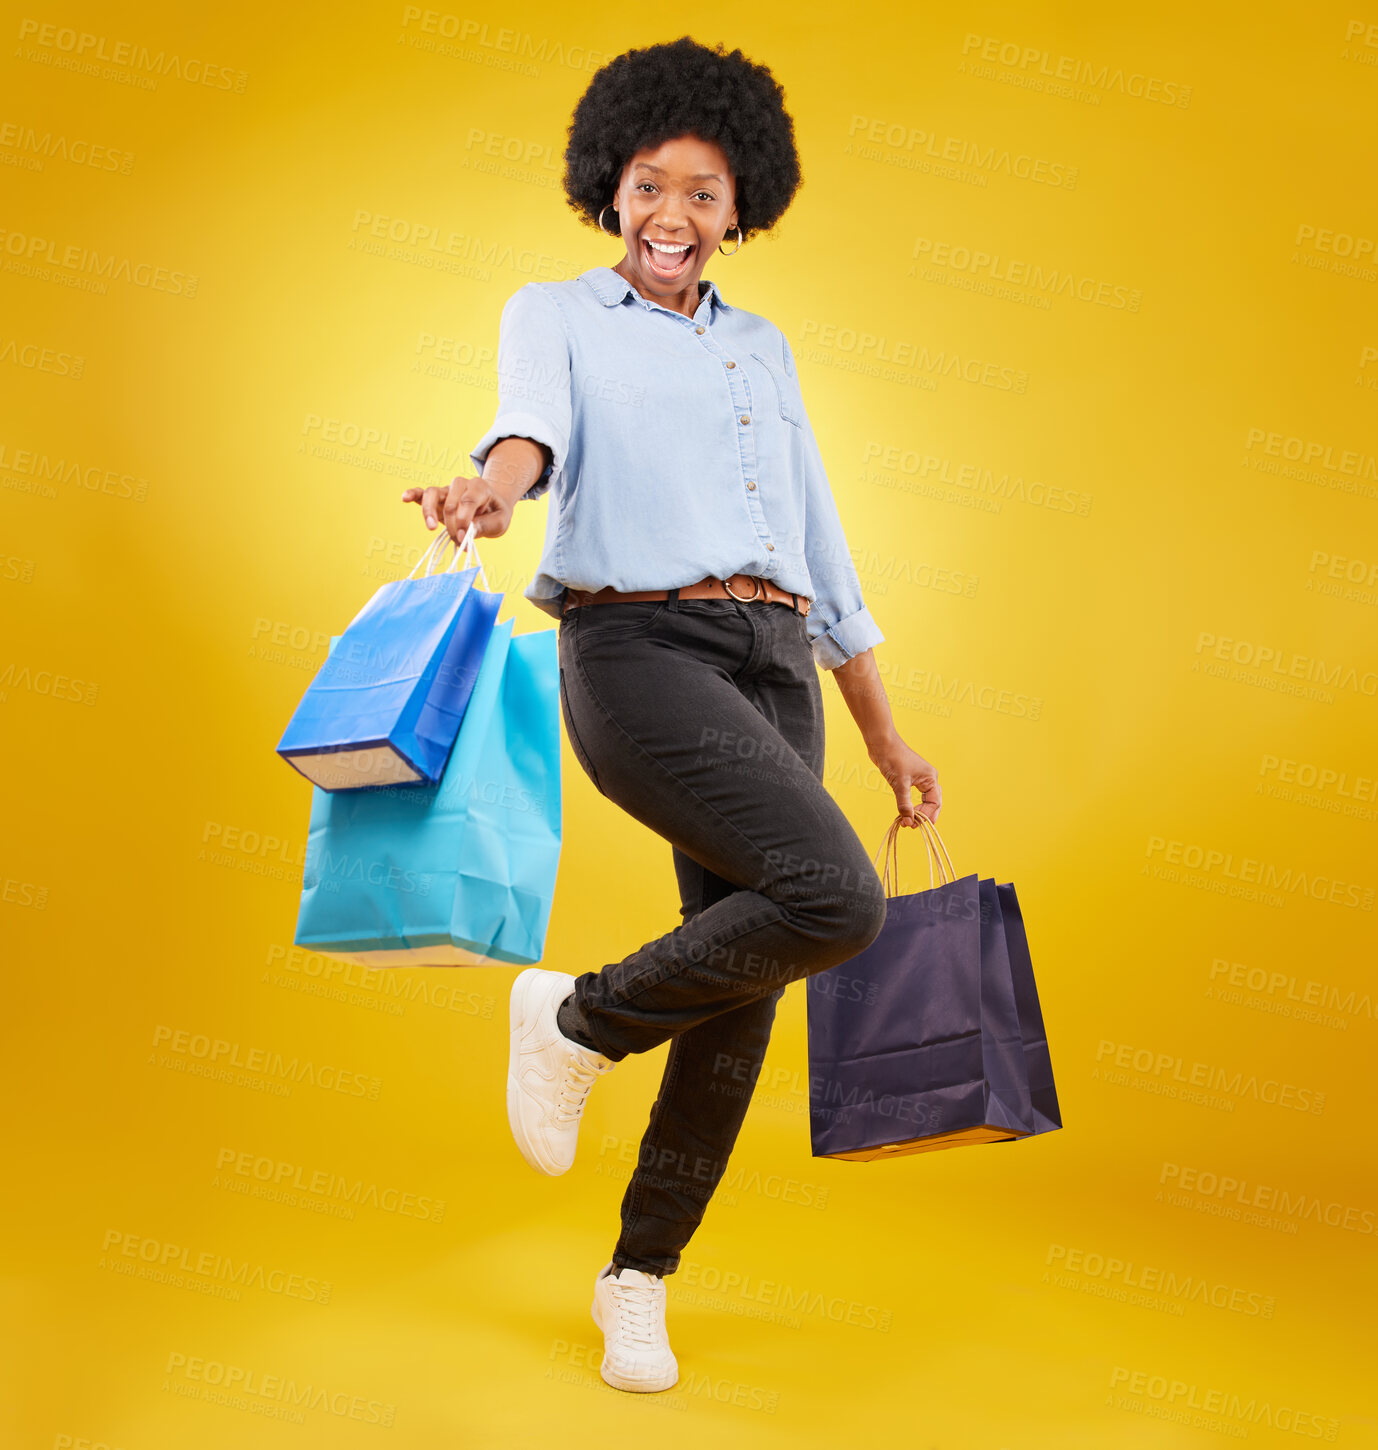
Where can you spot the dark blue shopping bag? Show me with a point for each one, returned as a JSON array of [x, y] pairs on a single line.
[[1037, 1062], [386, 706], [924, 1048]]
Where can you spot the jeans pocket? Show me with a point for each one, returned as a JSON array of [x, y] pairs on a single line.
[[575, 744], [622, 619]]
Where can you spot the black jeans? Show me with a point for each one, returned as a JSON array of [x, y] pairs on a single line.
[[703, 719]]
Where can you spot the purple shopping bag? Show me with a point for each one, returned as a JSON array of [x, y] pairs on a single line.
[[925, 1048], [1042, 1090]]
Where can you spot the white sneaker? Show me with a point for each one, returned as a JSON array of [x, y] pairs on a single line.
[[548, 1076], [630, 1310]]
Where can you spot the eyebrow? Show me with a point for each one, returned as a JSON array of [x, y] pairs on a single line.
[[699, 176]]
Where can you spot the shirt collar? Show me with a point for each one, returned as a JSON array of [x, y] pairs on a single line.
[[611, 287]]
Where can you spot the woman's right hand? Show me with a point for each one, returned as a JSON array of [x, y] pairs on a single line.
[[467, 500]]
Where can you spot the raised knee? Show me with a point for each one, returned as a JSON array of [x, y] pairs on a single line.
[[846, 923], [861, 924]]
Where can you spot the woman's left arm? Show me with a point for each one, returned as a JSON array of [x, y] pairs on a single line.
[[845, 647], [861, 686]]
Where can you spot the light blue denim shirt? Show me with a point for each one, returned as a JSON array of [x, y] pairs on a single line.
[[680, 449]]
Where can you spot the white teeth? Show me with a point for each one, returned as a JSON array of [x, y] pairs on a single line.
[[674, 249]]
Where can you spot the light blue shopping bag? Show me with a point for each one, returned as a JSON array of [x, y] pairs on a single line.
[[461, 873], [386, 706]]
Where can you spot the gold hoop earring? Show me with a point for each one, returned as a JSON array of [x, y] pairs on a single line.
[[604, 229], [735, 249]]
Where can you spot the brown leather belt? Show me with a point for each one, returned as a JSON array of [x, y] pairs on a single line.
[[744, 587]]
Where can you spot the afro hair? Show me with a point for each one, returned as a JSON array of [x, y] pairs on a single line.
[[644, 98]]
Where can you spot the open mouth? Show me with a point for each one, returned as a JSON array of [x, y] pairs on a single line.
[[667, 259]]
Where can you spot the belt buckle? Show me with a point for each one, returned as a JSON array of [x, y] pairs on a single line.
[[746, 599]]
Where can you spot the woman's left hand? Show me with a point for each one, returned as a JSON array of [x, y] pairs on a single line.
[[858, 678], [904, 768]]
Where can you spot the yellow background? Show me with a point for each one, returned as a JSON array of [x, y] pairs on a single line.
[[169, 595]]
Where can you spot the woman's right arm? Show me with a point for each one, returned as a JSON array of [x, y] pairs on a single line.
[[512, 466]]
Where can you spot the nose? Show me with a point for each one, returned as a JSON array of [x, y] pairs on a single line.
[[669, 214]]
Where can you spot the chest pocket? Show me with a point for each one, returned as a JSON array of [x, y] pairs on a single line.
[[787, 393]]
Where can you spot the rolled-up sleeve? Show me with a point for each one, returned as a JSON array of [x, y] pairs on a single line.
[[533, 381], [839, 624]]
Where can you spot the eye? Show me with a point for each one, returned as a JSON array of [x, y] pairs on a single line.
[[707, 195], [640, 184]]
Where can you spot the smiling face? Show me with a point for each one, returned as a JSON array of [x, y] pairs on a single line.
[[675, 203]]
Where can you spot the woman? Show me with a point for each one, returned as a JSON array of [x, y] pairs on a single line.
[[696, 563]]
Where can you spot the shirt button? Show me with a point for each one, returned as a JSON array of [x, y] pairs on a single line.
[[771, 547], [732, 365], [699, 330], [751, 483], [745, 418]]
